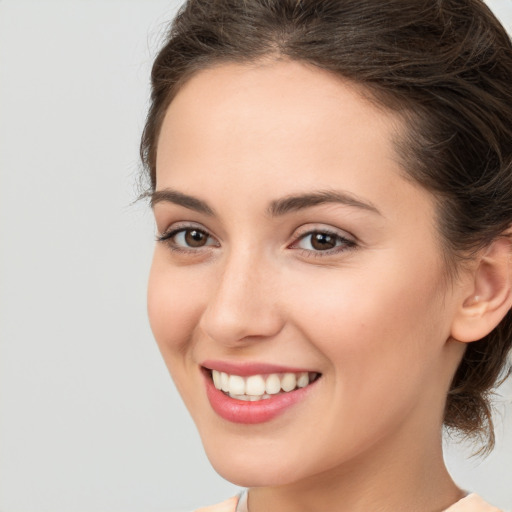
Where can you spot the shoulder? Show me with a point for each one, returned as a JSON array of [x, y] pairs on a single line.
[[225, 506], [472, 503]]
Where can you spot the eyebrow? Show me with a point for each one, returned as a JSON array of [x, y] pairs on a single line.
[[173, 196], [299, 202], [277, 207]]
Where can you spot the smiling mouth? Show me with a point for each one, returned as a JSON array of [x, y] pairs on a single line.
[[253, 388]]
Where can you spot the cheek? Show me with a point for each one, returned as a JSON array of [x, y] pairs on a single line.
[[372, 322], [175, 300], [378, 339]]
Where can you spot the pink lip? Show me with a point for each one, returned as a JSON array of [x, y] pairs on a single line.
[[240, 411], [246, 369]]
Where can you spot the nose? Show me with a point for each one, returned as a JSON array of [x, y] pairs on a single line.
[[243, 305]]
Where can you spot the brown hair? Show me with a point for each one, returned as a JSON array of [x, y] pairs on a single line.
[[445, 65]]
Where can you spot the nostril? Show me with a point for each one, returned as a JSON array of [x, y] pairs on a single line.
[[240, 309]]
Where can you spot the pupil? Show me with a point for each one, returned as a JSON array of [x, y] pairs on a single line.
[[322, 241], [195, 238]]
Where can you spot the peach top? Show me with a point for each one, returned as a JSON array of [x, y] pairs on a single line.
[[471, 503]]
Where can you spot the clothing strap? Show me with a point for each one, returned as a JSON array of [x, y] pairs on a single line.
[[471, 503], [242, 502]]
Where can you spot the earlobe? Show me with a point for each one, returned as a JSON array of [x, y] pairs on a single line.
[[490, 296]]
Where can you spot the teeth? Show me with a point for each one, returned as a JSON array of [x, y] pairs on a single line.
[[236, 385], [273, 384], [303, 380], [224, 382], [288, 382], [260, 387], [249, 398], [217, 380], [255, 385]]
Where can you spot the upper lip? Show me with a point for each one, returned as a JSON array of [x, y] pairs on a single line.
[[247, 368]]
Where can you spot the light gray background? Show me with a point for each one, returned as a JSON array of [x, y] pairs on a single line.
[[89, 418]]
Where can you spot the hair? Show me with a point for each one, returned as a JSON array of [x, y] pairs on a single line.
[[445, 66]]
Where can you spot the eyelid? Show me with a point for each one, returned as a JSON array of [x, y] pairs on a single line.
[[169, 233], [177, 226], [319, 228], [349, 242]]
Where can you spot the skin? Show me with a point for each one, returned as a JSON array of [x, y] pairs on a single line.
[[373, 315]]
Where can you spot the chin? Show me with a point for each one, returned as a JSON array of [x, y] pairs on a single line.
[[251, 468], [248, 475]]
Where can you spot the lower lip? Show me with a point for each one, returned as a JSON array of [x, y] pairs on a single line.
[[240, 411]]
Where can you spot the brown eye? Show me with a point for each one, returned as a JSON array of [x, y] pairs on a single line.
[[188, 238], [316, 242], [323, 241], [195, 238]]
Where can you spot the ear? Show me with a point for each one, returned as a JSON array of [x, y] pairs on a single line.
[[488, 296]]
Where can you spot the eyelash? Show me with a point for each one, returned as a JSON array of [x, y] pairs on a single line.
[[168, 239], [344, 243]]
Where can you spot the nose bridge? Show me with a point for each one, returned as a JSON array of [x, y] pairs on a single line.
[[243, 304]]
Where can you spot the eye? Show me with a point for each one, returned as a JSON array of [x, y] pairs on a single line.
[[323, 241], [191, 238], [187, 238]]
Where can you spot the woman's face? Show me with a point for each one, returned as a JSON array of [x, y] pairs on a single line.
[[298, 261]]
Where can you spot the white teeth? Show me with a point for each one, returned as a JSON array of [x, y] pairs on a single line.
[[249, 398], [255, 385], [239, 397], [224, 382], [288, 382], [217, 380], [303, 380], [260, 387], [273, 384], [236, 385]]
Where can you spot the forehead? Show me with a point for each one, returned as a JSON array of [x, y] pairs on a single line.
[[279, 124], [279, 105], [299, 90]]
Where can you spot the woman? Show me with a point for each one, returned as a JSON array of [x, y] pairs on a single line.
[[332, 187]]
